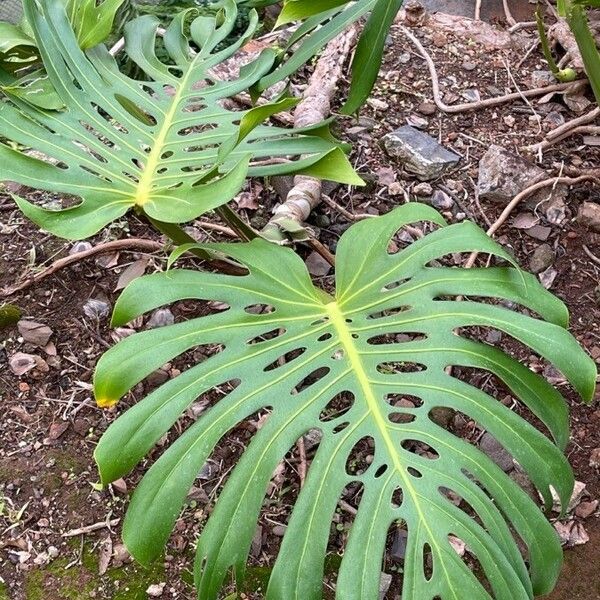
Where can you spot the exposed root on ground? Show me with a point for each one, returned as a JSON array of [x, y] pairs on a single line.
[[532, 189], [133, 244], [578, 125]]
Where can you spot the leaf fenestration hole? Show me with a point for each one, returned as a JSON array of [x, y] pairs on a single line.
[[361, 456], [396, 338], [427, 562], [420, 448], [259, 309], [319, 321], [395, 284], [339, 428], [391, 368], [324, 337], [267, 336], [389, 312], [401, 417], [397, 498], [339, 405], [403, 401], [284, 359], [414, 472], [338, 354], [380, 471], [311, 379]]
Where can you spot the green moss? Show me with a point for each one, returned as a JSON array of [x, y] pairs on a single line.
[[9, 315], [131, 581], [55, 582], [67, 461], [3, 592]]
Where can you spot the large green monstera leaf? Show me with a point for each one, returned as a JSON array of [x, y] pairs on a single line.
[[390, 331], [165, 146]]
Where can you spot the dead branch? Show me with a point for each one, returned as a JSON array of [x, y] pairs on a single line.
[[314, 108]]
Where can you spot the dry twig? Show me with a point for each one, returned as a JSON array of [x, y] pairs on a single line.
[[90, 528], [565, 130], [593, 257]]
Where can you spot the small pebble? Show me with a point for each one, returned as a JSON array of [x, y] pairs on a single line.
[[427, 108], [96, 309], [156, 590], [78, 247], [161, 318], [423, 189]]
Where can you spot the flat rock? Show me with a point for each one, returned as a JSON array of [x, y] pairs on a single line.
[[503, 175], [541, 259], [34, 333], [589, 215], [586, 509], [419, 153], [317, 265], [21, 363]]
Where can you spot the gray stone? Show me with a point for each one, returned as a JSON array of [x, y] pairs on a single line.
[[589, 215], [502, 175], [489, 445], [399, 545], [161, 318], [419, 153], [441, 200], [78, 247], [96, 309], [541, 259], [317, 265]]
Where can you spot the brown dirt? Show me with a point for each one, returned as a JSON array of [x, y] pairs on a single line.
[[48, 478]]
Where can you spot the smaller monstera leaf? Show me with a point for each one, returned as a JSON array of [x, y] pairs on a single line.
[[325, 19], [166, 146], [21, 72], [293, 352], [17, 48]]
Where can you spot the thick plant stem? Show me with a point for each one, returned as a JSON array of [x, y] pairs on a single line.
[[175, 233], [180, 238], [241, 228], [314, 108]]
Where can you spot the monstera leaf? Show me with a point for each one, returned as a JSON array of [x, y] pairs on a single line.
[[165, 146], [325, 19], [389, 331]]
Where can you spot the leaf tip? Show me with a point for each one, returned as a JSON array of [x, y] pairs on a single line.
[[104, 402]]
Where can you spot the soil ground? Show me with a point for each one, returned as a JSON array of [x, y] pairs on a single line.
[[50, 425]]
